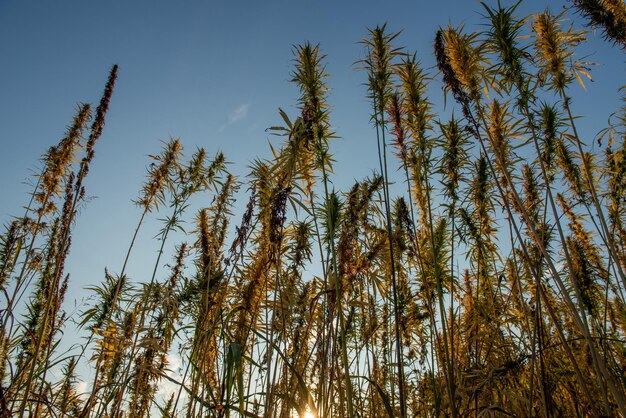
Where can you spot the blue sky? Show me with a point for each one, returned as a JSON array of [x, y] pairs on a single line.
[[214, 74]]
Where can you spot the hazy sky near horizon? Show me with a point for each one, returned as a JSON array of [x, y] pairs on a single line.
[[213, 73]]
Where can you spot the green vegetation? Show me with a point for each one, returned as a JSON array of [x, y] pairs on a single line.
[[491, 283]]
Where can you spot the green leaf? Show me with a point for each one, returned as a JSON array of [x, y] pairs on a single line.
[[382, 393]]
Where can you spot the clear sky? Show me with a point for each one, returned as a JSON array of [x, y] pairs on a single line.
[[214, 74]]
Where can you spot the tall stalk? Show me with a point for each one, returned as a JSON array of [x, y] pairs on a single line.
[[379, 65], [75, 193]]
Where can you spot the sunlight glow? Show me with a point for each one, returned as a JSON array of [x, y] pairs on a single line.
[[309, 414]]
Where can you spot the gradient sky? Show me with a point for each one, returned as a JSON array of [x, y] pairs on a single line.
[[214, 74]]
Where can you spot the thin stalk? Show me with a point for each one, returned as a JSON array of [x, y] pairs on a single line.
[[379, 121], [68, 217], [606, 235], [94, 389]]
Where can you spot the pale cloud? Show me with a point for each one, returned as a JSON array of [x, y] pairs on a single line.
[[166, 387], [237, 114], [83, 390]]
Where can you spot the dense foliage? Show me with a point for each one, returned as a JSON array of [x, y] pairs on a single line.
[[490, 283]]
